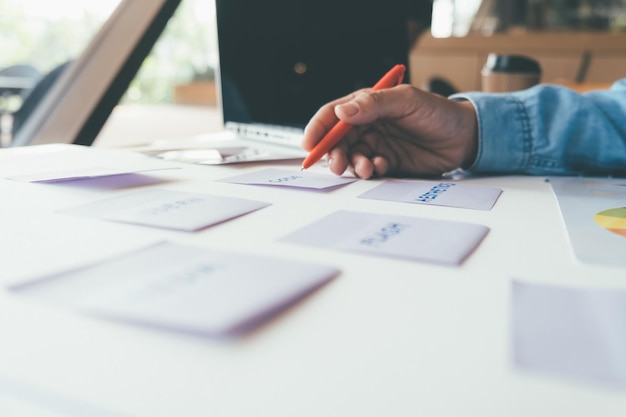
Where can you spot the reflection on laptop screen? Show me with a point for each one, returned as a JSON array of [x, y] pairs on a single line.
[[280, 60]]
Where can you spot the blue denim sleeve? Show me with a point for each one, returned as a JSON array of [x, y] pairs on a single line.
[[551, 130]]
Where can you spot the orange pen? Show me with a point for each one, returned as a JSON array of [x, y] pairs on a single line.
[[392, 78]]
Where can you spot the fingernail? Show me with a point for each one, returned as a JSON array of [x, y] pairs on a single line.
[[348, 109]]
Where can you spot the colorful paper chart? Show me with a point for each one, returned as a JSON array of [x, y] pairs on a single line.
[[595, 217], [613, 220]]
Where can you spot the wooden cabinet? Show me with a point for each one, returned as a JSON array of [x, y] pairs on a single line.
[[595, 57], [606, 67]]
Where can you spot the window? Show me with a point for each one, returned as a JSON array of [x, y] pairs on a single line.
[[172, 93]]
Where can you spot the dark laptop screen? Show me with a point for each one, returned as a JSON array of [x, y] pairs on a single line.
[[281, 59]]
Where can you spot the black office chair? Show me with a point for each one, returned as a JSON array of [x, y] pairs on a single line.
[[20, 78], [34, 97]]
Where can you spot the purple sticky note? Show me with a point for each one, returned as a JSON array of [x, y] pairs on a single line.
[[182, 288], [168, 209], [571, 332], [412, 238]]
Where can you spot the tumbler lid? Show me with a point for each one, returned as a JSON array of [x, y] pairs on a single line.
[[511, 63]]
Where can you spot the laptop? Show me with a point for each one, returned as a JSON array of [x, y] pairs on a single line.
[[280, 60]]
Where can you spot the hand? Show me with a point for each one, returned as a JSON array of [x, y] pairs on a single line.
[[401, 132]]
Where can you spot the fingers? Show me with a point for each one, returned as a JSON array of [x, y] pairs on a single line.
[[368, 106], [337, 161], [360, 165], [323, 120], [381, 166], [362, 107], [363, 167]]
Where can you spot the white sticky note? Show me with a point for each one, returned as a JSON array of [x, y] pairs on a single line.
[[182, 288], [570, 332], [437, 193], [412, 238], [288, 178], [168, 209]]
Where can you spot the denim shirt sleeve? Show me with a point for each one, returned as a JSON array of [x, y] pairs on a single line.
[[551, 130]]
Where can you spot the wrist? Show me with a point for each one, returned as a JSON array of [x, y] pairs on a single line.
[[469, 135]]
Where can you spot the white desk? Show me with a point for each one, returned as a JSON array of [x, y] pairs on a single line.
[[386, 338]]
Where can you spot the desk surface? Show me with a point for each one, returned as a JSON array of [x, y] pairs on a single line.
[[386, 338]]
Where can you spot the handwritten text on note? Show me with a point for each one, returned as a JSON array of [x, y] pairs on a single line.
[[384, 234], [434, 192], [287, 178], [181, 287], [411, 238], [168, 209], [448, 194]]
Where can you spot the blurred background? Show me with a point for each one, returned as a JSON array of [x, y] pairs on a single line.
[[176, 80], [575, 41]]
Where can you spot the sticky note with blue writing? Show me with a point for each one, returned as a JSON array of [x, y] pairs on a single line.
[[182, 288], [436, 193], [289, 178], [168, 209], [411, 238]]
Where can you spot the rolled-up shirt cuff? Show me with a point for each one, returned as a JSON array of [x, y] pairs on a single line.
[[504, 132]]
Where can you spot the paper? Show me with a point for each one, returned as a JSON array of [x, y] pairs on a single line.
[[571, 332], [23, 399], [73, 163], [226, 155], [287, 178], [594, 212], [416, 239], [437, 193], [168, 209], [182, 288]]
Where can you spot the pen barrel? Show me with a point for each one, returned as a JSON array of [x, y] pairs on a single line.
[[333, 137], [392, 78]]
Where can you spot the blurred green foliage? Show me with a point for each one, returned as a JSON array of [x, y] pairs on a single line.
[[185, 51]]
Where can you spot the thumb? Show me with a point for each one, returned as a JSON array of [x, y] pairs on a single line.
[[368, 106]]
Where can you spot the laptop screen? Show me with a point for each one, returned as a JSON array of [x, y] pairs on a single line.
[[280, 60]]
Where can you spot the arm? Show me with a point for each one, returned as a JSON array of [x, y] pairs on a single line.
[[551, 130], [545, 130]]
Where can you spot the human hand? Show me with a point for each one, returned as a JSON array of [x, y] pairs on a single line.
[[400, 131]]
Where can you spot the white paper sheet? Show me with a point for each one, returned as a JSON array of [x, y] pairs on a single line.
[[182, 288], [23, 399], [571, 332], [437, 193], [289, 178], [587, 206], [412, 238], [168, 209]]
